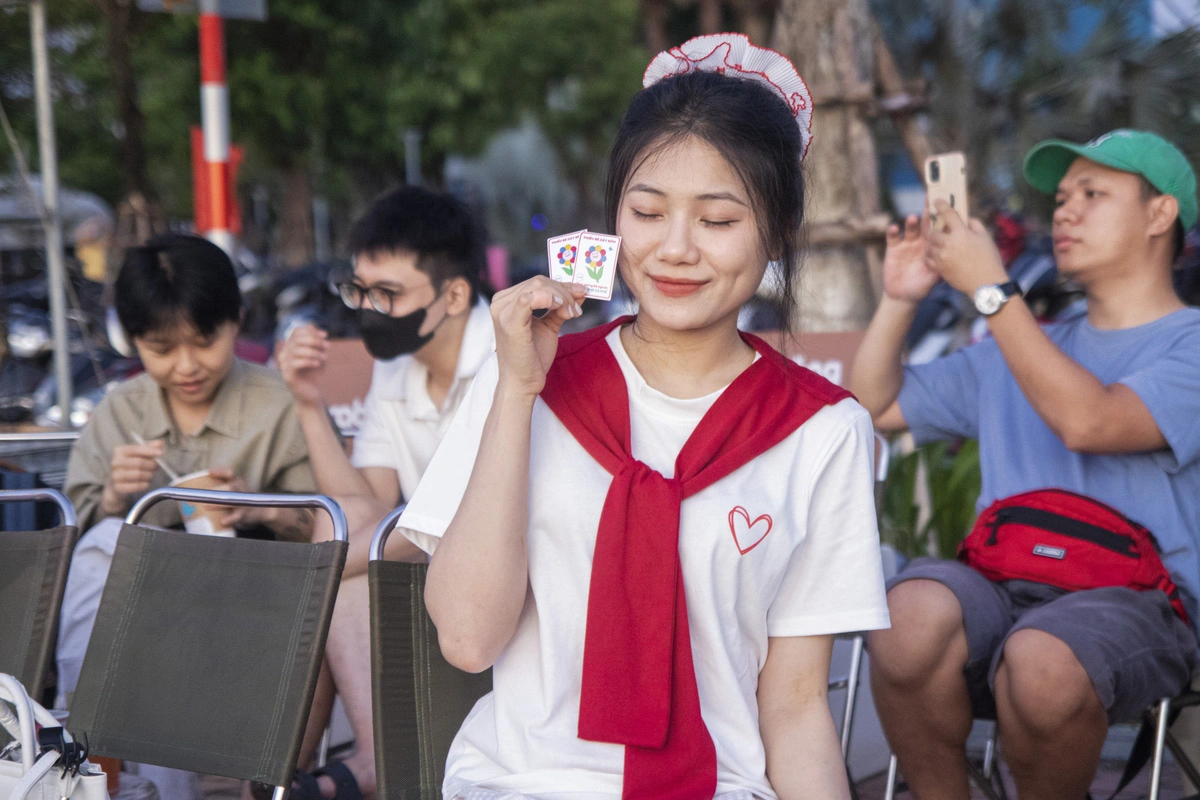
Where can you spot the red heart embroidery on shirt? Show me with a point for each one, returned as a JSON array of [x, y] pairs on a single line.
[[744, 531]]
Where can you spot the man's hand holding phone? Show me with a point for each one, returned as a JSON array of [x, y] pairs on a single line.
[[963, 253], [958, 249]]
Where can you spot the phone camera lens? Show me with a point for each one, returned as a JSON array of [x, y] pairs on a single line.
[[935, 171]]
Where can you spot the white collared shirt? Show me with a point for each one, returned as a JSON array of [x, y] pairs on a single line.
[[403, 426]]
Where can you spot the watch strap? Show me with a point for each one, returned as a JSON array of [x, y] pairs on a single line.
[[1010, 289]]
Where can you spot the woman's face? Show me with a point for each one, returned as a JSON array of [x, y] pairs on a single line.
[[692, 253], [186, 364]]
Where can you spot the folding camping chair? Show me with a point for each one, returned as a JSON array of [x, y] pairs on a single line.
[[206, 649], [850, 680], [419, 699], [33, 575], [1154, 738]]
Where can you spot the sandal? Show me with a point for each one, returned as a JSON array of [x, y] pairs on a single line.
[[344, 782], [305, 786]]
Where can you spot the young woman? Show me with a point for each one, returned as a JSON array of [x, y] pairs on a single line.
[[652, 530]]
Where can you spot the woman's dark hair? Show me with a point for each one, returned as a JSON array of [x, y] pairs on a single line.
[[176, 278], [748, 124], [438, 228]]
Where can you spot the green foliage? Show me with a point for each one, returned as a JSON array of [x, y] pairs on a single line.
[[953, 482], [88, 147], [331, 84], [473, 67], [1004, 74]]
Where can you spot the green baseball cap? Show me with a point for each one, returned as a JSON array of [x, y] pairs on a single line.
[[1139, 152]]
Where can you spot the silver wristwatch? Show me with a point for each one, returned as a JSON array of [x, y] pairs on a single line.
[[991, 297]]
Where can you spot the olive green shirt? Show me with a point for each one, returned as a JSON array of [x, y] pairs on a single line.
[[251, 428]]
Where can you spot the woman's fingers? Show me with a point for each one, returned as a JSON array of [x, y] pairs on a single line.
[[519, 304], [551, 296]]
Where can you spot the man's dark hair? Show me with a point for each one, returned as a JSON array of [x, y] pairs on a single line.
[[438, 228], [748, 124], [176, 278], [1150, 191]]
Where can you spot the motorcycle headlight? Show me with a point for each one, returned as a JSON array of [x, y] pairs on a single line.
[[50, 418], [81, 410], [26, 340]]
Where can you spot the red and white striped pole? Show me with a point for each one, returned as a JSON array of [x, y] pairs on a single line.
[[214, 115]]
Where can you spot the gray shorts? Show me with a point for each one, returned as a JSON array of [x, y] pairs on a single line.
[[1131, 644]]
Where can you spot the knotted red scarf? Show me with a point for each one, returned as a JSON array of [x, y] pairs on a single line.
[[639, 684]]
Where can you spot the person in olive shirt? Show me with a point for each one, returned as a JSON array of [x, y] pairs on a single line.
[[196, 407]]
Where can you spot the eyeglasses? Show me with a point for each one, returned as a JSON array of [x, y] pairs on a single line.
[[381, 299]]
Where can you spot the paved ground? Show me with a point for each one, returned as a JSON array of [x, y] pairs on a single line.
[[872, 789], [1102, 788]]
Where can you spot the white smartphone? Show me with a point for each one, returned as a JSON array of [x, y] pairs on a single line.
[[946, 179]]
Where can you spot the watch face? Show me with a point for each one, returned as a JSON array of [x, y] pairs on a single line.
[[988, 300]]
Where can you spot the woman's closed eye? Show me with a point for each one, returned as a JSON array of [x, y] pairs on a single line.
[[644, 214], [718, 223]]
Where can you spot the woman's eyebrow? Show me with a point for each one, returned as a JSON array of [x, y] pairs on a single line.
[[642, 187], [721, 196]]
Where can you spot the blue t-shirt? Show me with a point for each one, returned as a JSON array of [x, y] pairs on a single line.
[[972, 393]]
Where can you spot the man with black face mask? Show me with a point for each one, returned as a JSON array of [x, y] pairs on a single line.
[[418, 260]]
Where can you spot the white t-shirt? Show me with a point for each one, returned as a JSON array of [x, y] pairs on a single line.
[[402, 426], [787, 545]]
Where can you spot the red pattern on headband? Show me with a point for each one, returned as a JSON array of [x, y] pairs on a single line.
[[724, 53]]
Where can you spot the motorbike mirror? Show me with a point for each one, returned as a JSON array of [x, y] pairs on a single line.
[[116, 334]]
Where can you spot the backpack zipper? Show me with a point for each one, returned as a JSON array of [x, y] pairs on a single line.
[[1058, 523]]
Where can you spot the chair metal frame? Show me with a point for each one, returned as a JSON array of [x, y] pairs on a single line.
[[851, 680], [66, 511], [987, 777], [1160, 714], [382, 532], [213, 497], [218, 498]]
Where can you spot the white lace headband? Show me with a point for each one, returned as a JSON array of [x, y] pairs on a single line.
[[733, 53]]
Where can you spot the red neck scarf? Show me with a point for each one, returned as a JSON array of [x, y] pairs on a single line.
[[639, 684]]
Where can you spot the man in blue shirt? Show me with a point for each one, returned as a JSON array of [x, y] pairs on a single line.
[[1106, 405]]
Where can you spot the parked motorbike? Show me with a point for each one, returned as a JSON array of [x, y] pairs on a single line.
[[29, 345], [307, 296]]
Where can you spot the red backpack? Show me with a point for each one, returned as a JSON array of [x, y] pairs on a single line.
[[1067, 540]]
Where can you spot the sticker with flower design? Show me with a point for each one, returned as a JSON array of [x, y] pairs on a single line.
[[562, 252], [599, 254], [594, 260], [566, 259]]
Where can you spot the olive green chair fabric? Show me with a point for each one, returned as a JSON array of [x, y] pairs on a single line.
[[206, 651], [420, 700], [33, 575]]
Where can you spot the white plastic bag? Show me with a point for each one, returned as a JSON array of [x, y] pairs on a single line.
[[23, 774]]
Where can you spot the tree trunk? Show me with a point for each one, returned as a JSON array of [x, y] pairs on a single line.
[[119, 16], [296, 245], [654, 15], [830, 43], [710, 16]]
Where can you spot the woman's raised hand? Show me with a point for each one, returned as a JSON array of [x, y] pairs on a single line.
[[905, 273], [526, 344]]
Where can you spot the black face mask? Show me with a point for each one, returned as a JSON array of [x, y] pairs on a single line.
[[389, 337]]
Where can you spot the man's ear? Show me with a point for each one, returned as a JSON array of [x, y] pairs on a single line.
[[1164, 211], [458, 296]]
